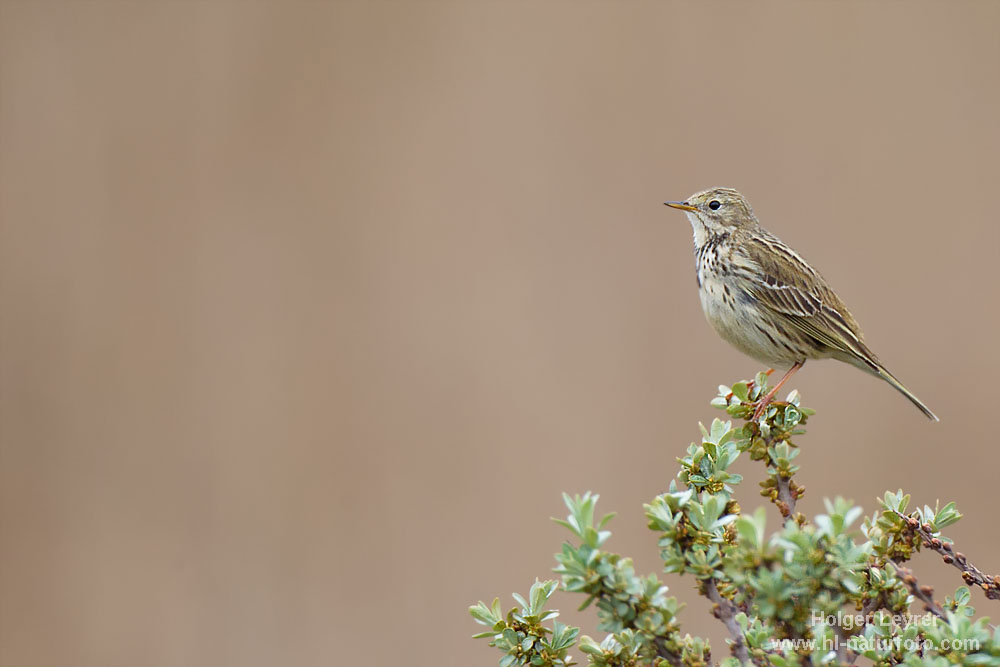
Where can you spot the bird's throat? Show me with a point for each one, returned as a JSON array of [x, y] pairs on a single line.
[[701, 233]]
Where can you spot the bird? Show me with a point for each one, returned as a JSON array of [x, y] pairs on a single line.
[[765, 300]]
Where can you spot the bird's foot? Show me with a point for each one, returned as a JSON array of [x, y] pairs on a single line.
[[766, 400], [762, 406]]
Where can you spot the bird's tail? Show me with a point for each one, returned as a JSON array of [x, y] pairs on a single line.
[[861, 357], [881, 371]]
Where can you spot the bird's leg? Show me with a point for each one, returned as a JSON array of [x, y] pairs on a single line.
[[766, 400], [751, 383]]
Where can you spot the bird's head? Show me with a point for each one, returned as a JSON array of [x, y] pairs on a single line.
[[717, 211]]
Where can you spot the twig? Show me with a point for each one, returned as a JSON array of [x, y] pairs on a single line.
[[786, 496], [786, 492], [665, 653], [844, 655], [971, 574], [870, 606], [923, 593], [725, 611]]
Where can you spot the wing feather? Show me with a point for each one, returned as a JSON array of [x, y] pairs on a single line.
[[786, 285]]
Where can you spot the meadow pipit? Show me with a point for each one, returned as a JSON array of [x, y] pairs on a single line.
[[765, 300]]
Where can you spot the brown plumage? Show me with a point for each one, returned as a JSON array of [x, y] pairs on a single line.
[[765, 300]]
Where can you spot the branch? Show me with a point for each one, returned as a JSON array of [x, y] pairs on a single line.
[[665, 653], [845, 656], [870, 606], [787, 495], [971, 574], [725, 611], [923, 593]]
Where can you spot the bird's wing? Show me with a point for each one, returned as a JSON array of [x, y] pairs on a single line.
[[777, 278]]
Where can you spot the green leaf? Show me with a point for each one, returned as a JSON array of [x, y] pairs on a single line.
[[483, 615], [741, 391]]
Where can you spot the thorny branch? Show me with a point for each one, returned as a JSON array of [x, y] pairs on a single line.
[[971, 574]]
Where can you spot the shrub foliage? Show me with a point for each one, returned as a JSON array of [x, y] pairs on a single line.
[[825, 590]]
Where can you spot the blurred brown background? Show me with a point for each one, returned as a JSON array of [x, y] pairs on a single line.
[[310, 310]]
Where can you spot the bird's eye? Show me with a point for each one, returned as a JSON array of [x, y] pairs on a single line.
[[714, 205]]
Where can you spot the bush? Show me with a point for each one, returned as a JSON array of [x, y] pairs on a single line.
[[820, 591]]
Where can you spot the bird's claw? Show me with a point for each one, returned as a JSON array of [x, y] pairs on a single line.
[[761, 408]]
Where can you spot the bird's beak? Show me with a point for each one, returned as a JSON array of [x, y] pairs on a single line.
[[682, 205]]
